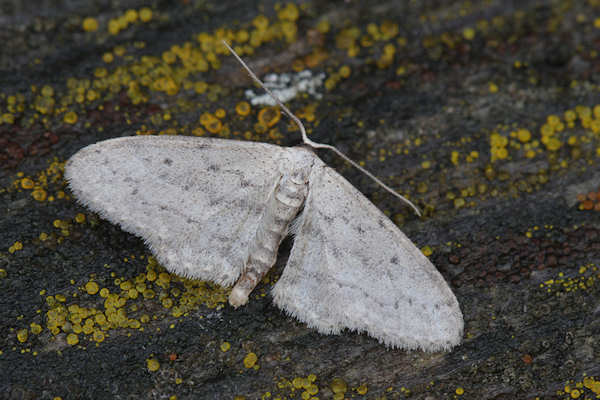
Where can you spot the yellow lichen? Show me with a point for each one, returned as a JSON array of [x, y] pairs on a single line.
[[90, 24], [152, 364], [22, 335], [16, 246], [427, 251], [72, 339], [250, 360], [362, 389], [39, 194], [468, 33], [36, 329], [27, 183], [145, 14], [91, 288]]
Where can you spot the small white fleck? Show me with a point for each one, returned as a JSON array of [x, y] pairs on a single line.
[[287, 86]]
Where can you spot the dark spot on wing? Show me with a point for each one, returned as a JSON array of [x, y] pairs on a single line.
[[336, 252], [280, 221], [326, 217], [167, 161]]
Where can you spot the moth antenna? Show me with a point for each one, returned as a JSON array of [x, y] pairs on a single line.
[[316, 145]]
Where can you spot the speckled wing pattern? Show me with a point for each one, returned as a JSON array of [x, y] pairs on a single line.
[[195, 201], [351, 267]]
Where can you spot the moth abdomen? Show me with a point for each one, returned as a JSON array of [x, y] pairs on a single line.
[[281, 208]]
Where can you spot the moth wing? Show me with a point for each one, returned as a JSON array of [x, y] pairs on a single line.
[[195, 201], [351, 267]]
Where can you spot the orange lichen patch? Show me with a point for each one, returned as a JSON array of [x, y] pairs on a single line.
[[211, 123], [50, 176], [242, 108], [220, 113], [589, 201], [39, 194], [269, 116], [27, 183], [345, 71]]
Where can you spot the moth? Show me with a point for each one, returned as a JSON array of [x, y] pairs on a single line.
[[217, 210]]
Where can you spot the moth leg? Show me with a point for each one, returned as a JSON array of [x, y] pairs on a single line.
[[282, 206]]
